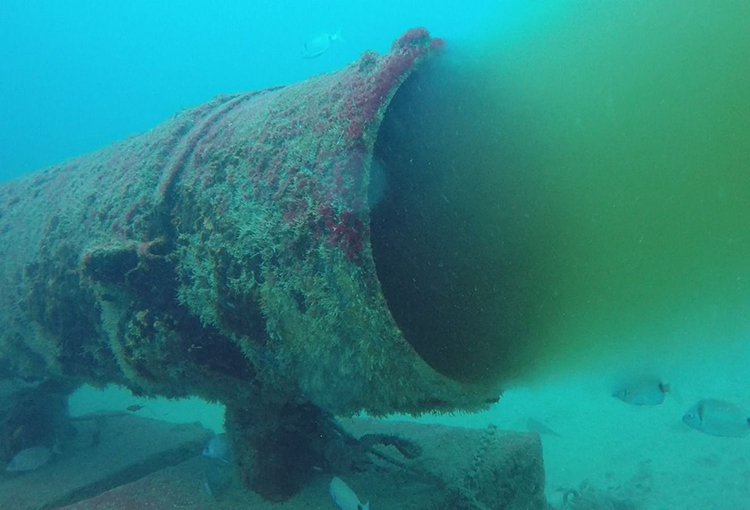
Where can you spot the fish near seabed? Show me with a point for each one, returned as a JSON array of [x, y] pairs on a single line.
[[644, 390], [319, 44], [29, 459], [218, 448], [718, 418], [344, 497]]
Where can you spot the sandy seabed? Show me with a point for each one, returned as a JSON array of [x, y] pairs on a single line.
[[642, 455]]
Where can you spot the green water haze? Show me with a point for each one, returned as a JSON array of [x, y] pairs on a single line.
[[608, 148]]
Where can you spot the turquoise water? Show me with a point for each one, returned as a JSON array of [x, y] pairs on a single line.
[[623, 127], [79, 75]]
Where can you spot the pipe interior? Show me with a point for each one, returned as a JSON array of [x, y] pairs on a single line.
[[450, 233]]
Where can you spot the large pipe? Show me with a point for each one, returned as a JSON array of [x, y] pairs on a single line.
[[249, 251]]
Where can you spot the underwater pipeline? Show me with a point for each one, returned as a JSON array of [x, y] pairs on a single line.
[[280, 251]]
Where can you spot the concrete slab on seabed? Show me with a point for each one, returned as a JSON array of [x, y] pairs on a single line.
[[507, 465], [125, 448]]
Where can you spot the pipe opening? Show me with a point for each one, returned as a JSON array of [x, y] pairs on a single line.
[[451, 233]]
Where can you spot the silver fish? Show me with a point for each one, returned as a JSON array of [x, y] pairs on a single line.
[[319, 44], [344, 497], [218, 448], [29, 459], [644, 390], [718, 418]]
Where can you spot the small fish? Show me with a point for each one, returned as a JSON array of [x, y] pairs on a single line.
[[533, 425], [139, 407], [718, 418], [344, 497], [645, 390], [218, 448], [319, 44], [29, 459]]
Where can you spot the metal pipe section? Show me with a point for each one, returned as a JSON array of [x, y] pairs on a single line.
[[226, 253]]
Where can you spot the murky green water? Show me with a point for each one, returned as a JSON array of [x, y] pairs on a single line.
[[615, 135]]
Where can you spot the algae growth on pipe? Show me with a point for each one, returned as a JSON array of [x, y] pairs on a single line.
[[249, 251]]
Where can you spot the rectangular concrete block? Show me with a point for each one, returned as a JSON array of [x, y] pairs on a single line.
[[108, 450]]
